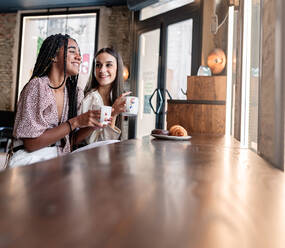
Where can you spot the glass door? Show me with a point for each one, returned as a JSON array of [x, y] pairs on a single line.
[[254, 75], [153, 98], [148, 66], [167, 48], [179, 59], [250, 74]]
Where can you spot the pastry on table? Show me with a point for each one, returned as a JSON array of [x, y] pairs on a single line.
[[177, 130]]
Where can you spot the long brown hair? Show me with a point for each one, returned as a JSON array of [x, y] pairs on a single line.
[[116, 84]]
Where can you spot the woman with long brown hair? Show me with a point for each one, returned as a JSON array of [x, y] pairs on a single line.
[[103, 88]]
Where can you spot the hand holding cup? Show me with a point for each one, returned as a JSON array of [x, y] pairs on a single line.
[[132, 105], [105, 115], [119, 105]]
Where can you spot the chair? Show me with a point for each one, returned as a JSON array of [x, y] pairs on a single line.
[[6, 128]]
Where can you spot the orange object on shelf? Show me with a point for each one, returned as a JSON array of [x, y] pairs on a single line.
[[125, 73], [217, 61]]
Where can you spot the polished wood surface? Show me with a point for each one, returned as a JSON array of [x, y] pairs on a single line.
[[206, 192], [197, 118], [207, 88]]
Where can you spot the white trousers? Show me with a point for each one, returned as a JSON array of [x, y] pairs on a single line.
[[21, 157]]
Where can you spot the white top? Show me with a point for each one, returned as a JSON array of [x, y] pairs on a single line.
[[93, 100]]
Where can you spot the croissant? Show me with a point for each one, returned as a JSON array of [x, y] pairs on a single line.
[[177, 130]]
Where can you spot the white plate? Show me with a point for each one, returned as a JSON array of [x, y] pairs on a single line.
[[168, 137]]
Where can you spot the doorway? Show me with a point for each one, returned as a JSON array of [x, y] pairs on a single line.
[[168, 49]]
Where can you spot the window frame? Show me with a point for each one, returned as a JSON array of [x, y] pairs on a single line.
[[47, 12], [193, 11]]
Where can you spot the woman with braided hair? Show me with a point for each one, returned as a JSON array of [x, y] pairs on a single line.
[[46, 123]]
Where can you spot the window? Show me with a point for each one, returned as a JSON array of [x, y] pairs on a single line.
[[251, 75], [35, 28], [173, 43], [179, 57], [161, 7]]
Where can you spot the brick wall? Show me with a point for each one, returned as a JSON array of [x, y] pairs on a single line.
[[7, 38], [119, 32], [115, 31]]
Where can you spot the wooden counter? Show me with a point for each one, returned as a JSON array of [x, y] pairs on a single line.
[[206, 192], [197, 116], [204, 111]]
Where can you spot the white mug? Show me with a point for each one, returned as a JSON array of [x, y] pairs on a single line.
[[105, 114], [132, 105]]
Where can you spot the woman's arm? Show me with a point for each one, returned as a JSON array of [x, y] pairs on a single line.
[[113, 122], [88, 121], [82, 134], [50, 136]]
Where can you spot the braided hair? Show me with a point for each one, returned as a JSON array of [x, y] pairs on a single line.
[[47, 53], [115, 88]]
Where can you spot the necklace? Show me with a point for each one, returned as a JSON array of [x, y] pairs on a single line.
[[57, 87]]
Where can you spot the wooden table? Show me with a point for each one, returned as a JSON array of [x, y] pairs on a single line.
[[147, 193]]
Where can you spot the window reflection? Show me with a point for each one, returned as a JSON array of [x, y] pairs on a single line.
[[36, 28]]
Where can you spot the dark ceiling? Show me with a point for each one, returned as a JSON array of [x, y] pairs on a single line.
[[14, 5]]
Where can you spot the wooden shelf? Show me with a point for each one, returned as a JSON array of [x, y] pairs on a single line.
[[204, 111], [206, 88]]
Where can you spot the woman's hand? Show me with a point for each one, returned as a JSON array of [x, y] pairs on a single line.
[[88, 119], [119, 105], [87, 123]]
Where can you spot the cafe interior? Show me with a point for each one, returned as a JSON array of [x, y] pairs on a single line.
[[214, 67]]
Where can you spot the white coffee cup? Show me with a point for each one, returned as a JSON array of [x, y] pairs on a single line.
[[132, 105], [105, 114]]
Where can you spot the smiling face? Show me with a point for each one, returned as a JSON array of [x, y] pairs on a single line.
[[73, 58], [105, 69]]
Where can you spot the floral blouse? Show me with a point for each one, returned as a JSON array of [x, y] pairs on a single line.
[[37, 111]]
